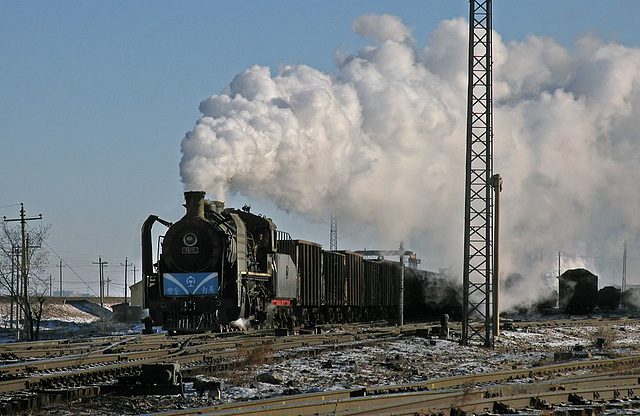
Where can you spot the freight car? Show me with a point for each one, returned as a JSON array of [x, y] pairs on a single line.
[[220, 267], [578, 291], [609, 298]]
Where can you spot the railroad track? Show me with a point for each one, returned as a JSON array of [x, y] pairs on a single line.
[[77, 368], [58, 364], [469, 394]]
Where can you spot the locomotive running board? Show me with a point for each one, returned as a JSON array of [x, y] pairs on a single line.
[[263, 277]]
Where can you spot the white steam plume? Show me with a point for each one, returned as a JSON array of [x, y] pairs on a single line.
[[381, 142]]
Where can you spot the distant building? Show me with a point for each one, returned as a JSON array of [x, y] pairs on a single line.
[[65, 294], [136, 294], [410, 258]]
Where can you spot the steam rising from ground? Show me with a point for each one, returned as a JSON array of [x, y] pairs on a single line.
[[241, 323], [381, 143]]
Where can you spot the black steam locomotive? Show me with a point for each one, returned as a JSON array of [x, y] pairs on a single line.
[[221, 267]]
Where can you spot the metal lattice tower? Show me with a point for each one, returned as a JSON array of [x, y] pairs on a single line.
[[333, 238], [624, 267], [478, 250]]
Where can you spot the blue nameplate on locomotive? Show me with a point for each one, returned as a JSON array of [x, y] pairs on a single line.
[[184, 284]]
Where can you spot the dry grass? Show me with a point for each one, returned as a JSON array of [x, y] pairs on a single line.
[[241, 371], [606, 333]]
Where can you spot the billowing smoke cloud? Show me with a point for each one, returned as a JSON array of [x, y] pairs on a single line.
[[381, 143]]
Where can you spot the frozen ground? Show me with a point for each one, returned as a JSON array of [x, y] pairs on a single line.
[[413, 359], [409, 359]]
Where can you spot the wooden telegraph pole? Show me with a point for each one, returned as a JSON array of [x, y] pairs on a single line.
[[101, 265], [24, 269], [126, 285]]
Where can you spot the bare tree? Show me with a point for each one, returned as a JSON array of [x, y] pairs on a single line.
[[14, 277], [37, 308]]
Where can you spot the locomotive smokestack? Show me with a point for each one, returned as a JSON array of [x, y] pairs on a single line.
[[194, 203]]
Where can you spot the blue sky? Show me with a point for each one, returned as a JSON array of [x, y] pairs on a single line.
[[96, 96]]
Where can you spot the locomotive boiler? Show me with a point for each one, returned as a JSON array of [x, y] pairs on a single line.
[[220, 267]]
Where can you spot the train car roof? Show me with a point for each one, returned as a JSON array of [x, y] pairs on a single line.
[[308, 243], [349, 252]]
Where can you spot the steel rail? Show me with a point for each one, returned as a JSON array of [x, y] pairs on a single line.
[[430, 402], [33, 375], [128, 353], [449, 392]]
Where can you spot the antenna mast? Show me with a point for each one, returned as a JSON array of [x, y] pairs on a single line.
[[333, 238]]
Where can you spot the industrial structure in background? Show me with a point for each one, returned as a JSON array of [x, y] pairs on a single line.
[[408, 257], [333, 237], [480, 274]]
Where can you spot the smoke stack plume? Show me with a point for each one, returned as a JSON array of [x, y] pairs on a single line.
[[380, 142]]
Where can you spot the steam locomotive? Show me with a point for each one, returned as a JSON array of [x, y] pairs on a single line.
[[220, 268]]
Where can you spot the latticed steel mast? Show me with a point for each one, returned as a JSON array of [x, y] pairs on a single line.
[[478, 250], [333, 237]]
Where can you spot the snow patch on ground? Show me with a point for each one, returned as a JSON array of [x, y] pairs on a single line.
[[412, 359], [62, 320]]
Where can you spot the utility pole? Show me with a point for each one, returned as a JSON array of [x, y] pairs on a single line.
[[101, 265], [478, 246], [61, 278], [559, 261], [108, 280], [13, 289], [126, 287], [558, 278], [28, 325], [401, 300], [496, 184], [134, 273]]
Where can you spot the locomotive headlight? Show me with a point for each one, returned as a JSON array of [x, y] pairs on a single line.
[[190, 239]]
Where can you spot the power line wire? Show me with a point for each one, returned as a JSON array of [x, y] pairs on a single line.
[[70, 268], [65, 263]]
